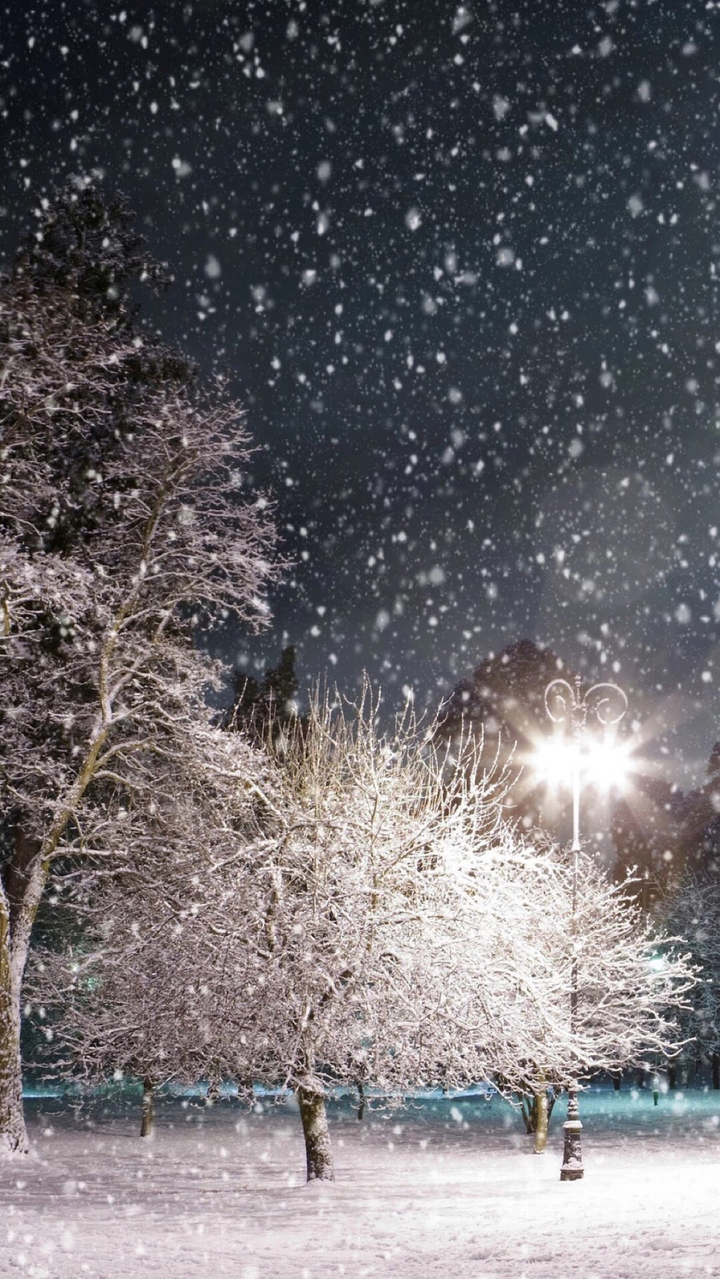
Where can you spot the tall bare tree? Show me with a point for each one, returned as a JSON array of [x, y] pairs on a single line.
[[125, 525]]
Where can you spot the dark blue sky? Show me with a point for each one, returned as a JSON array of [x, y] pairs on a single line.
[[459, 263]]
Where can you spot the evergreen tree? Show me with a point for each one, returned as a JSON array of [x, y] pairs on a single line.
[[265, 709]]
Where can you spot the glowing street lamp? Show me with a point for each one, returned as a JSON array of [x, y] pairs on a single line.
[[605, 763]]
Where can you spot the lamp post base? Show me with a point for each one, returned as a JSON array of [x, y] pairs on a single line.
[[572, 1164]]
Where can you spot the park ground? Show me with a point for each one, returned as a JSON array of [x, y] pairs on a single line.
[[442, 1190]]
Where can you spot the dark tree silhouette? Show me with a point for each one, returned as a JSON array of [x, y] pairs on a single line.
[[503, 703], [664, 834], [266, 707]]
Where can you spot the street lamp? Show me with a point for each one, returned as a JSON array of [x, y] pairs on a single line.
[[568, 705]]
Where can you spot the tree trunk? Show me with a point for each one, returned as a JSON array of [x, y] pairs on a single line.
[[616, 1080], [13, 1135], [311, 1100], [716, 1070], [147, 1126], [541, 1121], [527, 1110], [22, 883], [672, 1076]]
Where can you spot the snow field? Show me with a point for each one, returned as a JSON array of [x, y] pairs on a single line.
[[446, 1190]]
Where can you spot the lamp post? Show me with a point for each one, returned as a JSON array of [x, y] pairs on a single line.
[[566, 704]]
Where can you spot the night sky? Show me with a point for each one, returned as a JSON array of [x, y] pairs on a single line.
[[459, 263]]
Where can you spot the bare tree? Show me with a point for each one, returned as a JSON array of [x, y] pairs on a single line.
[[352, 886], [124, 525], [692, 908], [148, 978], [631, 982]]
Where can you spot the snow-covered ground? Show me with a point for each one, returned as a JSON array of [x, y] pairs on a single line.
[[443, 1191]]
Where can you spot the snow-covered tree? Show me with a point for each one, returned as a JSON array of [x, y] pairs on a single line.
[[124, 523], [692, 908], [628, 982], [371, 945], [146, 978]]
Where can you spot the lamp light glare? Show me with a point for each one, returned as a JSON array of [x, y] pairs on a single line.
[[606, 763], [555, 761]]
